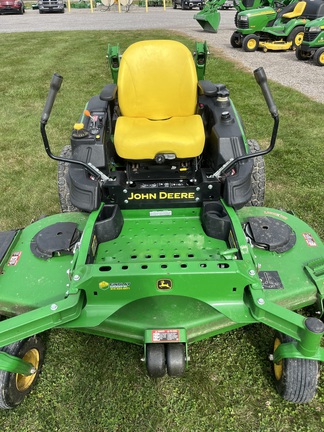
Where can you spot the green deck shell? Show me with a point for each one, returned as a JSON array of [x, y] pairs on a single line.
[[117, 293]]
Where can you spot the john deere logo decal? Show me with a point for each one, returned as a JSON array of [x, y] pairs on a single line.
[[164, 284]]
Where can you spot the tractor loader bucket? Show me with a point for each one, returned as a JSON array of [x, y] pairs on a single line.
[[209, 20]]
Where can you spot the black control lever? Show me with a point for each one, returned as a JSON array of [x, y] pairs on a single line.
[[54, 88], [261, 79]]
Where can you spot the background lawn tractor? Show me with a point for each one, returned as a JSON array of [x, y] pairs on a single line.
[[209, 17], [312, 46], [275, 28], [169, 243]]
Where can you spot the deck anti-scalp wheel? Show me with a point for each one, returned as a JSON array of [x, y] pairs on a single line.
[[176, 359], [296, 379], [155, 360], [14, 387]]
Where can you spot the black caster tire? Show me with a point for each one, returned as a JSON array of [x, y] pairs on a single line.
[[176, 359], [296, 379], [155, 360], [15, 387]]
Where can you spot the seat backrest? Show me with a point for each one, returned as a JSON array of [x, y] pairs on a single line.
[[157, 79], [298, 10]]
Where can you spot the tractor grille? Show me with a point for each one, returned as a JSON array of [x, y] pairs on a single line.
[[310, 36], [243, 24]]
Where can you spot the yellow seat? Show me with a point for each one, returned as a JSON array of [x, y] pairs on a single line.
[[157, 96], [298, 10]]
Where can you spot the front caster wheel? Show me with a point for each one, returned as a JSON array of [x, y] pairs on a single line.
[[176, 359], [155, 360], [14, 387], [296, 379]]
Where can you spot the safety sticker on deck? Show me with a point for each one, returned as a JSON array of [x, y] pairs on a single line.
[[15, 257], [309, 239], [270, 280], [165, 336]]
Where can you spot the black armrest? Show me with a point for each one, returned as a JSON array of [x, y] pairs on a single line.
[[210, 89], [108, 93], [207, 88]]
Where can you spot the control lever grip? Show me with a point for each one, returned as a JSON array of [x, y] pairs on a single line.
[[261, 79], [54, 88]]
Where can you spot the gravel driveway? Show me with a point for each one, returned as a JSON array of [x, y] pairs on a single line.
[[282, 67]]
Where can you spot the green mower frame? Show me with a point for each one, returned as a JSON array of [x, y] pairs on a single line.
[[164, 252]]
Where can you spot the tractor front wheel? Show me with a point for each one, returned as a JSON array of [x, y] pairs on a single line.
[[296, 379], [296, 37], [236, 40], [302, 55], [319, 57], [14, 387], [250, 43]]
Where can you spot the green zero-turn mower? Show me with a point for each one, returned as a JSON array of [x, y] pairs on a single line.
[[279, 28], [312, 46], [169, 243], [209, 17]]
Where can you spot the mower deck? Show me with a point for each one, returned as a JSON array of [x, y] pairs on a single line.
[[162, 272]]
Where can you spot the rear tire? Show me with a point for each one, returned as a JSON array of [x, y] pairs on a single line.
[[296, 379], [296, 36], [236, 18], [258, 176], [302, 55], [236, 40], [63, 188], [319, 57]]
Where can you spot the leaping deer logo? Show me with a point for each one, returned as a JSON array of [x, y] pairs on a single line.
[[164, 284]]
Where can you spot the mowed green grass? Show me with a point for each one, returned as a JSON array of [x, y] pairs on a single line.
[[92, 384]]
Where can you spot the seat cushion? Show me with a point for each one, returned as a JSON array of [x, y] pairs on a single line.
[[141, 138]]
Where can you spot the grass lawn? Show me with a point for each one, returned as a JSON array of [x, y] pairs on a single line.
[[91, 384]]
